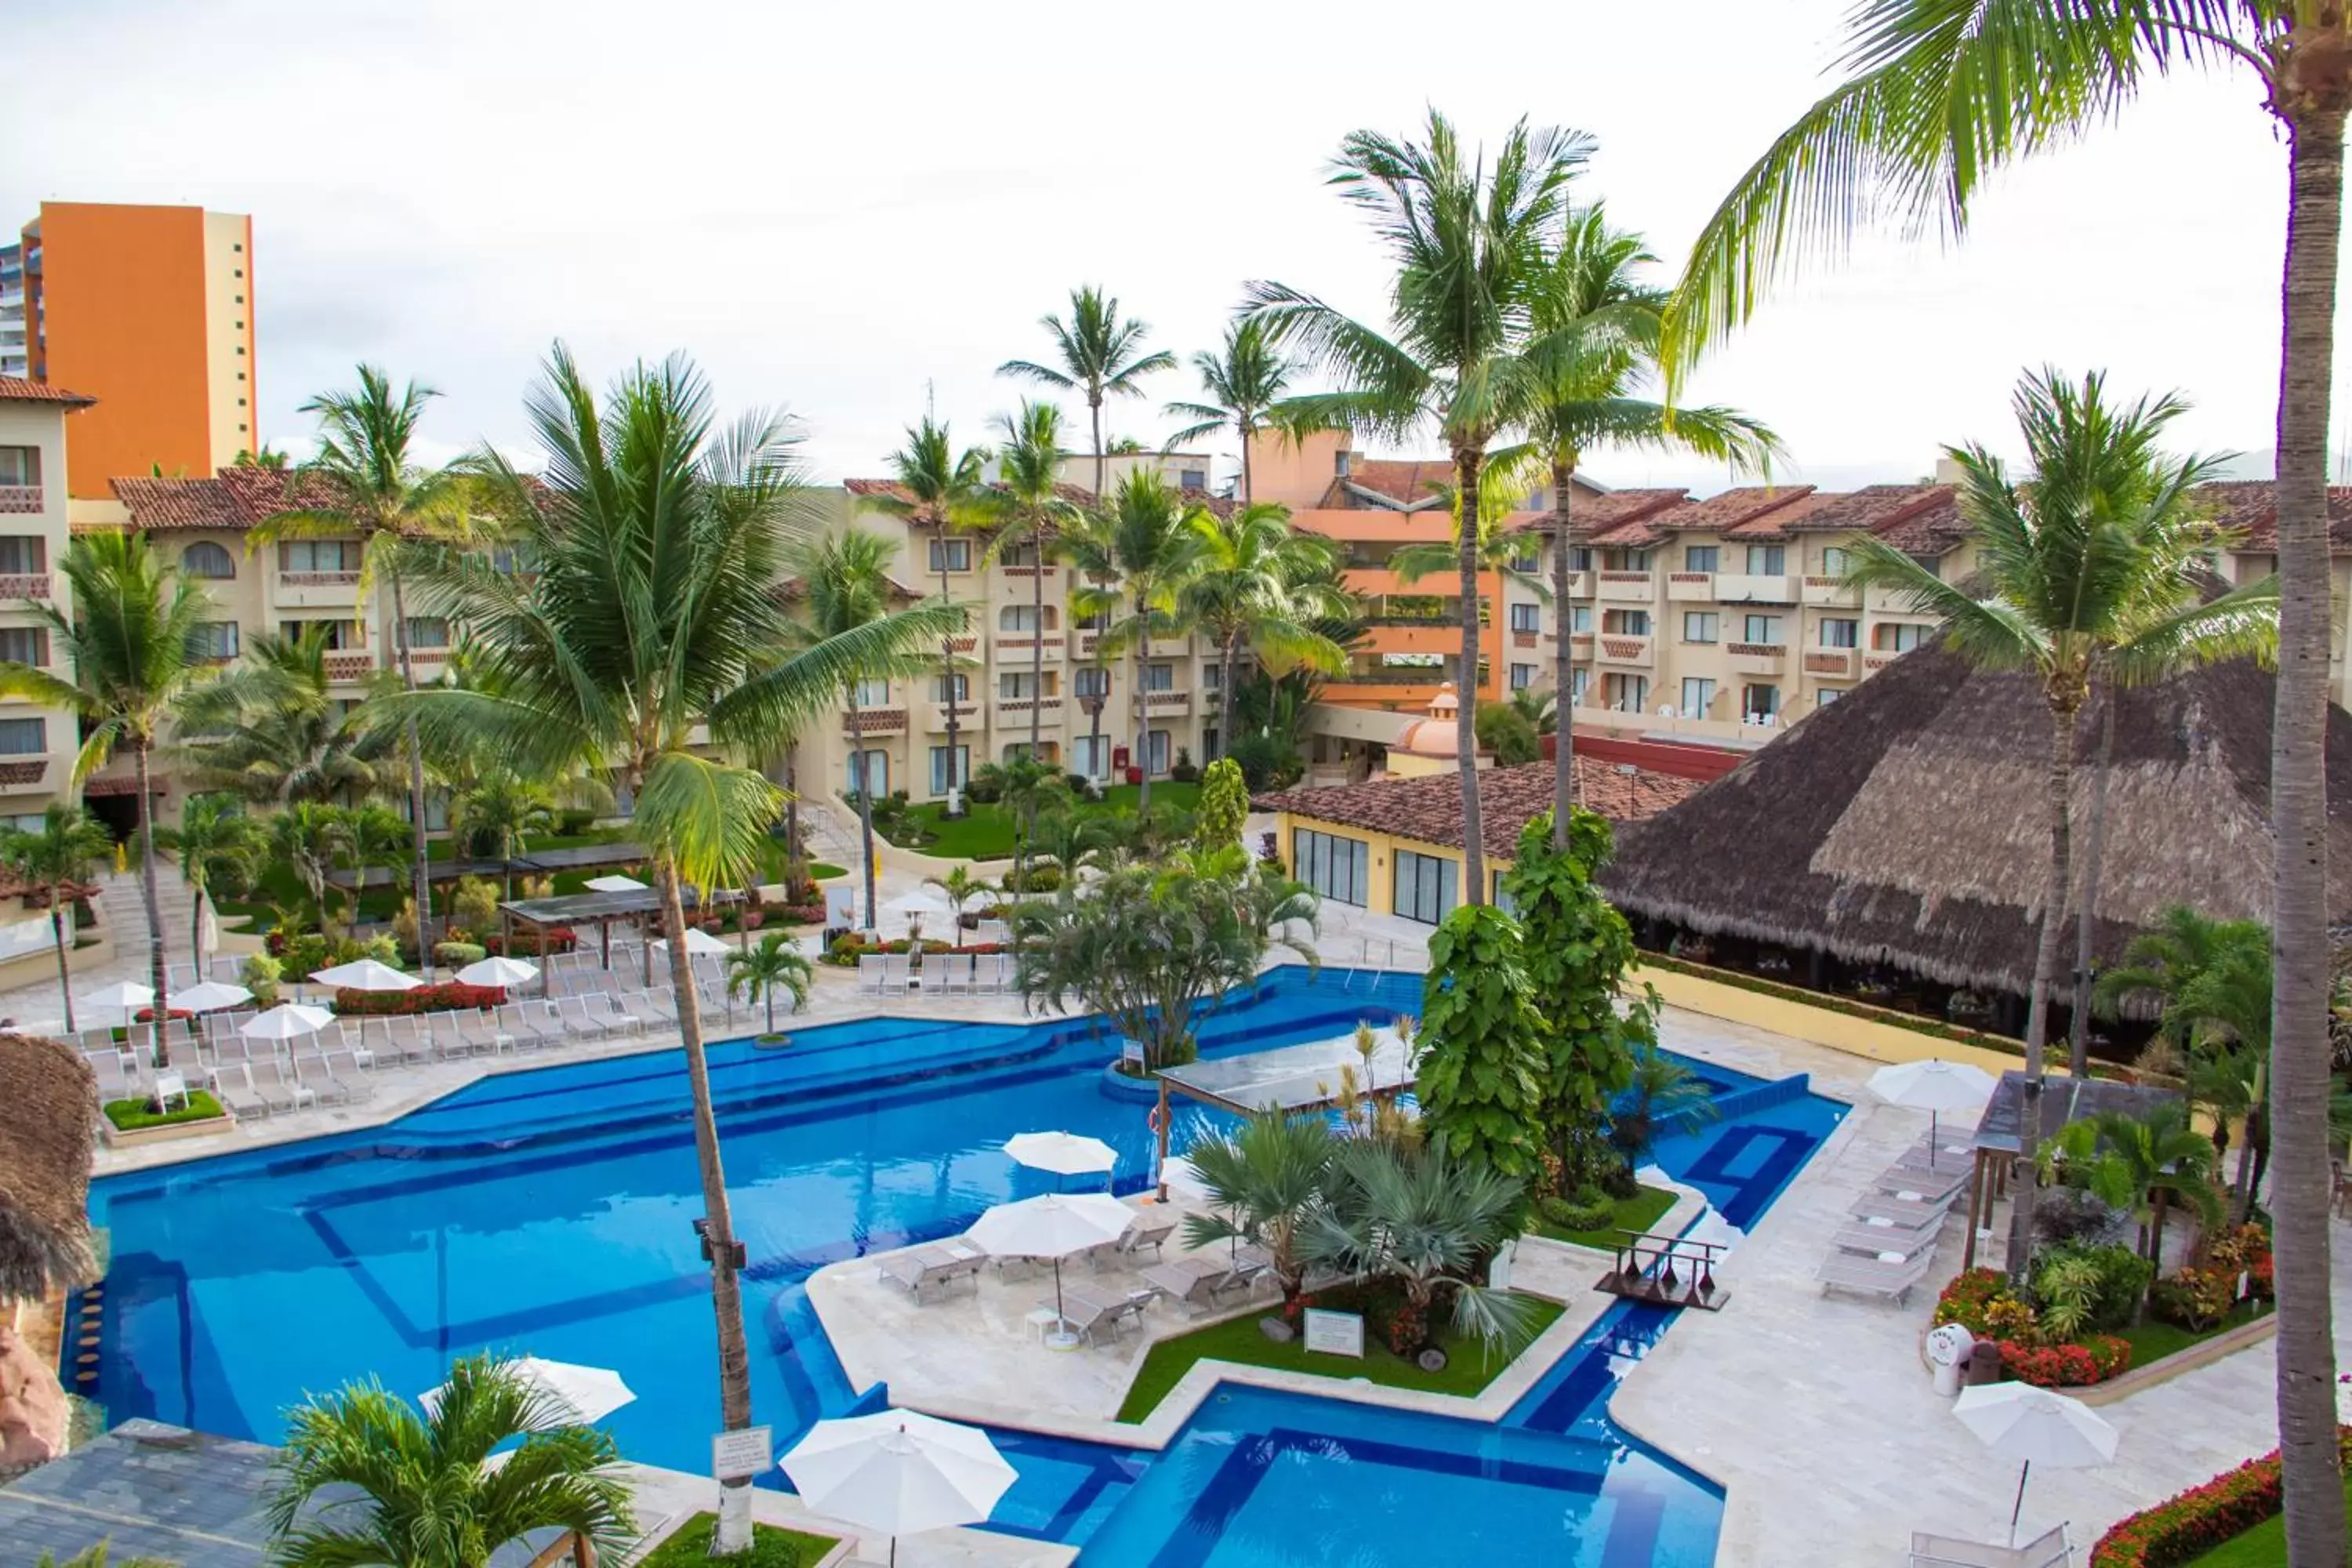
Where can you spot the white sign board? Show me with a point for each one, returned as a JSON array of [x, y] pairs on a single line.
[[840, 906], [740, 1455], [1335, 1333], [1131, 1050]]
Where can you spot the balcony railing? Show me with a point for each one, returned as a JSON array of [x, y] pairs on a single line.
[[318, 579], [874, 722], [350, 666], [1831, 661], [1016, 710], [1029, 644], [1635, 586], [1048, 573], [22, 500], [1689, 585], [1874, 661], [1748, 588], [1580, 645], [1619, 647], [1831, 593], [1889, 601], [22, 774], [1580, 584], [1156, 701], [963, 645], [1523, 639], [25, 585], [1757, 657]]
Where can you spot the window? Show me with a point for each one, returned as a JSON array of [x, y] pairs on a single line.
[[1500, 896], [342, 636], [1522, 677], [1895, 636], [1213, 677], [1701, 557], [869, 768], [1579, 558], [951, 689], [1524, 618], [1838, 631], [1017, 618], [1578, 679], [1159, 677], [1625, 693], [1934, 565], [1767, 560], [1023, 555], [319, 555], [240, 350], [1094, 682], [1758, 703], [940, 782], [1701, 625], [870, 692], [1580, 618], [213, 639], [1193, 479], [1698, 697], [1424, 887], [1336, 868], [22, 552], [950, 555], [24, 737], [1836, 560], [428, 631], [1626, 623], [25, 645], [1156, 750], [1525, 563], [20, 465], [1622, 560], [1093, 753], [1016, 685], [1827, 695], [25, 821], [1765, 629]]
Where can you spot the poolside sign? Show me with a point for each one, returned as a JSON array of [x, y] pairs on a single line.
[[743, 1454], [1335, 1333]]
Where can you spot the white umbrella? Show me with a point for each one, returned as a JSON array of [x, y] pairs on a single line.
[[289, 1021], [499, 970], [366, 975], [1053, 1226], [2035, 1427], [898, 1471], [211, 994], [1934, 1086], [1182, 1178], [698, 944], [1064, 1153], [616, 883], [127, 994], [578, 1394]]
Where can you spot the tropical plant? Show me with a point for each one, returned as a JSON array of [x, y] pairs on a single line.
[[130, 643], [219, 849], [1147, 944], [1505, 732], [374, 838], [1938, 102], [363, 1477], [1425, 1221], [1264, 1181], [943, 493], [1224, 806], [1031, 791], [1069, 840], [960, 888], [2094, 564], [768, 967], [658, 541], [305, 836], [1658, 1089], [1151, 544], [496, 813], [1099, 355], [1481, 1069], [270, 730], [1539, 706], [2127, 1159], [98, 1556], [1260, 585], [1243, 383], [1030, 512], [58, 859], [1469, 242]]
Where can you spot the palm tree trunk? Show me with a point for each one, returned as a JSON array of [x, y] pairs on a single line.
[[2156, 1230], [946, 669], [196, 923], [1245, 462], [1094, 414], [2300, 1194], [2045, 971], [1226, 693], [1142, 705], [1037, 647], [792, 796], [865, 804], [64, 977], [734, 1531], [1563, 783], [1466, 462], [2078, 1041], [152, 893], [769, 992], [420, 879]]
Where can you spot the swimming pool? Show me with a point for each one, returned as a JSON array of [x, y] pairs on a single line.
[[551, 1211]]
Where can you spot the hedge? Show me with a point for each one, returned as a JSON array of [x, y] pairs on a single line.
[[452, 996], [2184, 1528], [131, 1115], [560, 939]]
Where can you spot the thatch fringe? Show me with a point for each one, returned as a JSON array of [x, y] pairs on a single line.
[[48, 1108]]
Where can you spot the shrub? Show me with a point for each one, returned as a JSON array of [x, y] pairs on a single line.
[[1037, 879], [475, 904], [1183, 770], [572, 824], [2187, 1527], [423, 999], [1980, 1301], [2117, 1279], [305, 954], [2071, 1215], [457, 954], [1268, 762], [559, 938], [261, 973], [1505, 732], [1588, 1208], [403, 925], [2094, 1360], [985, 788], [2195, 1299]]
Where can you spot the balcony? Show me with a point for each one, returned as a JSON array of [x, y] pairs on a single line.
[[874, 722], [1697, 586], [1890, 601], [1743, 589], [1015, 710], [1874, 661], [20, 774], [424, 658], [1617, 648], [347, 666], [1837, 663], [1024, 574], [1639, 587], [1025, 647], [22, 500], [1830, 594], [313, 590], [1086, 644], [25, 585], [967, 715], [963, 645], [1580, 645], [1427, 636], [1524, 639], [1757, 657], [1580, 584], [1168, 701]]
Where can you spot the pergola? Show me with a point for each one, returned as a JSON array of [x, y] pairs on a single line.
[[1998, 1138], [539, 862], [1295, 1078], [576, 909]]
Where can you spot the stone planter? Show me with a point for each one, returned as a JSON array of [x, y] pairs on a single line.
[[116, 1138]]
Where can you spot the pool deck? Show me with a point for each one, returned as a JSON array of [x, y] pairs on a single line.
[[672, 1496]]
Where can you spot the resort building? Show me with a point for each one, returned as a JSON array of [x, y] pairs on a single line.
[[13, 361], [37, 744], [149, 310]]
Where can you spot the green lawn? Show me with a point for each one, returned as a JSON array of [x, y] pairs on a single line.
[[2264, 1546], [2153, 1340], [773, 1546], [1240, 1340], [133, 1115], [1640, 1212], [819, 870], [985, 832]]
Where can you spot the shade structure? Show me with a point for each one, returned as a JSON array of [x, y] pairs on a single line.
[[1064, 1153], [366, 975], [898, 1471], [208, 995], [2035, 1427], [576, 1395], [1054, 1227], [698, 944], [1934, 1086], [289, 1021], [614, 883], [124, 994], [499, 970]]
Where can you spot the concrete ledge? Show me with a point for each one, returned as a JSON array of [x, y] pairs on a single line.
[[170, 1132], [2164, 1368]]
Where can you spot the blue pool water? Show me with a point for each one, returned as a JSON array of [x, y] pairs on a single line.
[[550, 1212]]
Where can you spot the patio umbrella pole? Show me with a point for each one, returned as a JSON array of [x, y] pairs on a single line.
[[2019, 1507]]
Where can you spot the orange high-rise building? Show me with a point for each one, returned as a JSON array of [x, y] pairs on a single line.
[[150, 311]]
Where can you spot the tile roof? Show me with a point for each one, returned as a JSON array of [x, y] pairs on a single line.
[[1729, 508], [1933, 530], [1429, 808], [18, 389], [1593, 515], [1402, 481], [232, 498], [1869, 509], [2251, 508]]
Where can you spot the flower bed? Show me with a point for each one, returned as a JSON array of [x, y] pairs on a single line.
[[2181, 1529], [452, 996], [526, 944], [849, 949], [1980, 1301]]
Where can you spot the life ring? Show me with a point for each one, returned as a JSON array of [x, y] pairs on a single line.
[[1151, 1120]]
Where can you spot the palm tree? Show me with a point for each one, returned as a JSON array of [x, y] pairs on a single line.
[[98, 1556], [374, 835], [1261, 584], [502, 809], [1029, 510], [2070, 569], [1603, 322], [58, 859], [1938, 104], [958, 887], [217, 846], [1101, 355], [1243, 383], [944, 493], [1265, 1180], [1658, 1089], [405, 1490], [1540, 706], [1150, 543], [775, 964], [132, 645], [658, 539], [308, 836], [1030, 790], [373, 488], [2127, 1160], [1468, 244], [270, 730]]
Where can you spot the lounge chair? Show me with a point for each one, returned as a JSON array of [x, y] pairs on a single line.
[[1863, 1274], [2051, 1550], [584, 1025], [1922, 1186], [312, 1074], [959, 973], [1087, 1308], [290, 1082], [1145, 1233], [898, 973], [661, 1001], [1912, 1212], [1193, 1283], [344, 1070], [934, 1263], [115, 1079], [1879, 1240], [625, 1015], [169, 1085], [408, 1040], [233, 1087]]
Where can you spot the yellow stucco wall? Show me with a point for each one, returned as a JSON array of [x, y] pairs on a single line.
[[1380, 871], [1838, 1031]]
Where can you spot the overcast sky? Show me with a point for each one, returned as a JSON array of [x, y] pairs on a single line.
[[833, 207]]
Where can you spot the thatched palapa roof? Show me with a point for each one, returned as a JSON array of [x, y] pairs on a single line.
[[48, 1102], [1904, 825]]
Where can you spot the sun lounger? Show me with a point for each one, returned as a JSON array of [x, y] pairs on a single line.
[[233, 1085], [1152, 1234], [584, 1025], [1880, 1240], [1865, 1274], [624, 1014], [934, 1263], [1087, 1308], [661, 1001], [311, 1073], [1922, 1186], [1911, 1212], [289, 1082], [344, 1070], [115, 1080], [2052, 1550], [1193, 1283], [898, 975]]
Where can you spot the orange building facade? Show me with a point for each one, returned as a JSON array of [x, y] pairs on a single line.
[[149, 310]]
